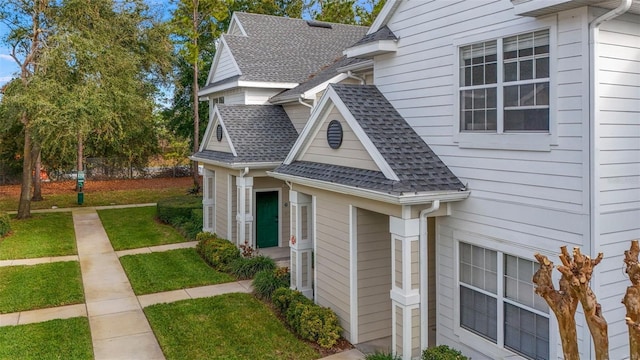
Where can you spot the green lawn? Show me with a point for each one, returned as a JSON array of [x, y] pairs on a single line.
[[49, 234], [231, 326], [133, 228], [55, 339], [40, 286], [169, 270]]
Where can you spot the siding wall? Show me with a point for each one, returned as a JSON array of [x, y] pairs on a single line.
[[214, 144], [222, 203], [351, 152], [374, 276], [532, 201], [257, 96], [618, 158], [299, 115], [225, 67]]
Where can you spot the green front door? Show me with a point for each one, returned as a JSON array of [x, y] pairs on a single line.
[[267, 219]]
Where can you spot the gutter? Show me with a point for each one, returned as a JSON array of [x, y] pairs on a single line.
[[594, 108], [239, 165], [301, 101], [350, 75], [413, 199], [424, 268]]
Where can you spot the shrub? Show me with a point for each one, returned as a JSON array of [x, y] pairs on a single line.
[[442, 352], [267, 281], [282, 298], [247, 268], [173, 208], [5, 224], [378, 355], [219, 253]]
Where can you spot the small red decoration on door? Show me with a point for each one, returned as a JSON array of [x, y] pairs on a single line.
[[293, 239]]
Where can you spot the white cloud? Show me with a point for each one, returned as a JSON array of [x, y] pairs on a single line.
[[6, 57]]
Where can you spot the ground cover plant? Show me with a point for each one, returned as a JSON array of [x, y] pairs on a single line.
[[137, 227], [55, 339], [230, 326], [183, 212], [40, 286], [169, 270], [49, 234]]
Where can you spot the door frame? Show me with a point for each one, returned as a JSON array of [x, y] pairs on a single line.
[[254, 212]]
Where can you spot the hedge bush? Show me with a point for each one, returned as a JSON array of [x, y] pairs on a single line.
[[5, 224], [247, 268], [217, 252], [308, 320], [268, 281], [173, 208], [442, 352], [379, 355]]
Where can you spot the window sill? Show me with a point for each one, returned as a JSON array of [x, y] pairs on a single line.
[[505, 141], [484, 346]]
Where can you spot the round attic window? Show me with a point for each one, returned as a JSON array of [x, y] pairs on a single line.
[[219, 132], [334, 134]]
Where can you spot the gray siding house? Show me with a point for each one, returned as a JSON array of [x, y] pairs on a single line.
[[426, 167]]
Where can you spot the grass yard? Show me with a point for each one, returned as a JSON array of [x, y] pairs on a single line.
[[40, 286], [49, 234], [169, 270], [55, 339], [231, 326], [132, 228]]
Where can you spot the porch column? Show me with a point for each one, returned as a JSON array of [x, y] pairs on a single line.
[[300, 243], [208, 201], [405, 286], [244, 216]]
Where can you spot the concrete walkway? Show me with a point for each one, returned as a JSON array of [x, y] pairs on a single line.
[[119, 328]]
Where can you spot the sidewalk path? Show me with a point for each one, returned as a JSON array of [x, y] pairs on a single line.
[[119, 329]]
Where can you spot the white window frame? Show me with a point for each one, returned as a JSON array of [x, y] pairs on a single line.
[[473, 340], [500, 140]]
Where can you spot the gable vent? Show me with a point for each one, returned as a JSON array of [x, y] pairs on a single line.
[[334, 134], [319, 24], [219, 132]]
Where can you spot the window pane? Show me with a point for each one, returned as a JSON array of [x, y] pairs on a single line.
[[526, 333], [491, 98], [492, 120], [542, 68], [467, 120], [526, 120], [527, 95], [526, 70], [478, 75], [541, 42], [478, 313], [466, 81], [542, 94], [511, 71], [491, 75], [511, 96], [466, 99], [478, 99]]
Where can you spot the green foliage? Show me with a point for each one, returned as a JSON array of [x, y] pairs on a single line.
[[352, 12], [5, 224], [268, 281], [282, 298], [442, 352], [379, 355], [170, 210], [247, 268], [219, 253]]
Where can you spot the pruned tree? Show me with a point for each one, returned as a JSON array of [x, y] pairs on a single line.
[[561, 302], [631, 299]]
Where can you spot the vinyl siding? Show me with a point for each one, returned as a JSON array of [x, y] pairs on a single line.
[[299, 115], [534, 201], [351, 153], [617, 165], [214, 144], [225, 67], [374, 276], [258, 96], [222, 203]]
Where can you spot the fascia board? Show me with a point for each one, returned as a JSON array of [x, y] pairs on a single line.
[[267, 84], [413, 199], [316, 89], [236, 21], [238, 165], [372, 49], [216, 59], [384, 16], [221, 87], [373, 151]]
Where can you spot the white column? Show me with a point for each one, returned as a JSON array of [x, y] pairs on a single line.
[[405, 286], [301, 243], [244, 217], [208, 201]]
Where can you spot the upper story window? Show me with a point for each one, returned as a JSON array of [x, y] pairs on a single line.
[[218, 100], [504, 84]]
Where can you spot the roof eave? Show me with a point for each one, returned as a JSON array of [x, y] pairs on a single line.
[[371, 49], [359, 66], [237, 165], [405, 199]]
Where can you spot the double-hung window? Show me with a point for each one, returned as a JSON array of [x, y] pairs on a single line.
[[504, 84], [498, 303]]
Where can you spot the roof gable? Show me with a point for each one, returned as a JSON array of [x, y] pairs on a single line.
[[210, 139], [224, 65]]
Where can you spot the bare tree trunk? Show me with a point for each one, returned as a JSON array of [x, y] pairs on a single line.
[[578, 270], [37, 181], [562, 303], [24, 206], [196, 108], [632, 299]]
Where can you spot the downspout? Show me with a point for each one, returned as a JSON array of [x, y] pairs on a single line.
[[594, 108], [424, 267], [301, 101], [361, 79]]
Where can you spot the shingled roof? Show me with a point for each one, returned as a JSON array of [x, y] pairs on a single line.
[[383, 34], [259, 134], [279, 49], [417, 167]]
